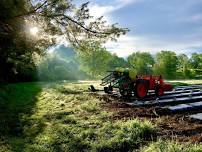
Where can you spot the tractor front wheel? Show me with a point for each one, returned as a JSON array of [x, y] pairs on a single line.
[[125, 93], [141, 89]]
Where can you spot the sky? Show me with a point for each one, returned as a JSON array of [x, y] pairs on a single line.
[[154, 25]]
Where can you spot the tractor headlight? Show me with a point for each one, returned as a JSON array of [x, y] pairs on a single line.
[[157, 82]]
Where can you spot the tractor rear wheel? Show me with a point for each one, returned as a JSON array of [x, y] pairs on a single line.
[[125, 93], [141, 89], [124, 89]]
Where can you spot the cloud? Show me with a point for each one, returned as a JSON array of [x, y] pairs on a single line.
[[98, 10], [155, 25], [123, 3], [152, 41], [196, 17], [192, 18], [126, 45]]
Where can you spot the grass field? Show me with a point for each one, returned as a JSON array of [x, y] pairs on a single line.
[[184, 82], [63, 116]]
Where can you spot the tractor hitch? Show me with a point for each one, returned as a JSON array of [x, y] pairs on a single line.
[[92, 88], [108, 89]]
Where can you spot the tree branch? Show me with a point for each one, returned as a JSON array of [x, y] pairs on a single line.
[[79, 24], [31, 12], [85, 28]]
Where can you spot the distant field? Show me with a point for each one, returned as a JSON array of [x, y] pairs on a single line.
[[63, 116], [176, 83], [186, 81]]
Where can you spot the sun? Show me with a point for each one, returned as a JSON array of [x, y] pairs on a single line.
[[34, 30]]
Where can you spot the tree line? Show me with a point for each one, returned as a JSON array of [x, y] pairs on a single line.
[[165, 63], [168, 64]]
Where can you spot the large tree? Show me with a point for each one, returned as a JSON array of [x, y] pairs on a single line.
[[116, 62], [16, 48], [196, 64], [183, 66], [95, 60], [54, 20], [196, 61], [142, 62], [166, 64]]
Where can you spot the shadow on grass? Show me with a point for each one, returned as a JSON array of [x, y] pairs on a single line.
[[17, 102]]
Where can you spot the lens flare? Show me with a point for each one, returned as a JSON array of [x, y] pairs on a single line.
[[34, 30]]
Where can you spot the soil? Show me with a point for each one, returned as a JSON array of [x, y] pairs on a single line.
[[169, 126]]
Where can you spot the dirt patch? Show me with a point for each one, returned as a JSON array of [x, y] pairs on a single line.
[[180, 127], [169, 126]]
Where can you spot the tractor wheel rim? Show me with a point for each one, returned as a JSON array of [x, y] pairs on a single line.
[[141, 90]]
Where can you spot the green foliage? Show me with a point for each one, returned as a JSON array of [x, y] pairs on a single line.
[[96, 60], [15, 47], [166, 64], [115, 62], [196, 61], [142, 62], [19, 48], [55, 67], [63, 63], [196, 65], [183, 67]]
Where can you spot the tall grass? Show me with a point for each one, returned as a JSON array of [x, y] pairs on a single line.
[[62, 117]]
